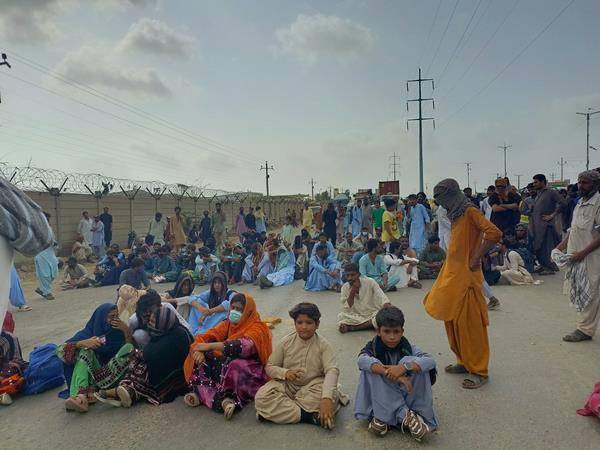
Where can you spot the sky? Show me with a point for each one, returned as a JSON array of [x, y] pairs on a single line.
[[204, 93]]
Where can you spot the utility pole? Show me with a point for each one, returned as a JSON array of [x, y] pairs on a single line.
[[394, 164], [330, 192], [266, 168], [468, 164], [420, 119], [312, 187], [552, 177], [504, 147], [562, 164], [518, 175], [587, 142]]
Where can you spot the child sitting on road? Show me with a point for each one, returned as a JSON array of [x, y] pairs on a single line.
[[395, 380], [304, 376]]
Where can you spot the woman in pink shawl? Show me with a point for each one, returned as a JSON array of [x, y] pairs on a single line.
[[240, 225]]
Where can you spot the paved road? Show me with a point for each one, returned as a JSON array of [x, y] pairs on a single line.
[[537, 382]]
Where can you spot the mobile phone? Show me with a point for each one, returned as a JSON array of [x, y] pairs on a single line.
[[102, 339]]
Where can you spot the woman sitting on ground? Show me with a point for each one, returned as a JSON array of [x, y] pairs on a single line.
[[226, 365], [211, 307], [154, 373], [95, 357], [11, 367]]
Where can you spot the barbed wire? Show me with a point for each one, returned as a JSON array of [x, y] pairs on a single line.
[[56, 182]]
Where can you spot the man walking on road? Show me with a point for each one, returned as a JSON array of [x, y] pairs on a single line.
[[583, 244]]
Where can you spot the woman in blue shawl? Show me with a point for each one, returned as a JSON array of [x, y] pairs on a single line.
[[95, 357], [211, 307]]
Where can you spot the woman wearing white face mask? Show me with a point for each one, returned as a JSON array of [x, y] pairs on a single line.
[[226, 365]]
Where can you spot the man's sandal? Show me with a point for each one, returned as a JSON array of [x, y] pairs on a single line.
[[455, 368], [474, 381], [576, 336]]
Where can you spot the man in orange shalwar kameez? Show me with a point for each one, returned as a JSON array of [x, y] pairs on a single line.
[[457, 295]]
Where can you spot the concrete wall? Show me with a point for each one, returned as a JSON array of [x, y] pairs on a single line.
[[135, 214]]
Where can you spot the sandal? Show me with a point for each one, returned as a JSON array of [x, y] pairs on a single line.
[[24, 308], [191, 399], [228, 408], [39, 291], [455, 368], [78, 403], [415, 285], [101, 397], [124, 396], [576, 336], [474, 381], [5, 399]]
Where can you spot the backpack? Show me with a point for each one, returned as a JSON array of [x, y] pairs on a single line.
[[45, 370]]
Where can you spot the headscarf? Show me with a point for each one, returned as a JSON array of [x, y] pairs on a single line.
[[176, 292], [591, 175], [216, 298], [447, 193], [259, 255], [282, 258], [99, 326], [160, 321], [250, 326]]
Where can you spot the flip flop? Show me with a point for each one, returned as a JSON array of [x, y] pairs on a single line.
[[77, 404], [228, 409], [191, 399], [107, 400], [455, 368], [24, 308], [474, 381]]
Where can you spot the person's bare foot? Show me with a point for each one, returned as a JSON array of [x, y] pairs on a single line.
[[343, 328]]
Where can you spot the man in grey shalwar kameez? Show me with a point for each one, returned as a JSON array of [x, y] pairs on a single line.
[[548, 204]]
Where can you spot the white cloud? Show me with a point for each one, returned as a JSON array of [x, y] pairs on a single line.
[[156, 37], [30, 21], [324, 38], [97, 66]]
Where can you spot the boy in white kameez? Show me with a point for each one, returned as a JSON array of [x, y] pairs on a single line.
[[304, 376]]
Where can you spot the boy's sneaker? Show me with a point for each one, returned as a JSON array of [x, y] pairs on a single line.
[[415, 425], [377, 427]]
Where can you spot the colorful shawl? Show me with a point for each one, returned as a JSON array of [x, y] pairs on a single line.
[[250, 326]]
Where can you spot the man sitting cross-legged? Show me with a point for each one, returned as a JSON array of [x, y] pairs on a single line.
[[324, 271], [362, 298]]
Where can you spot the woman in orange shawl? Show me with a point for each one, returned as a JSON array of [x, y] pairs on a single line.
[[226, 365]]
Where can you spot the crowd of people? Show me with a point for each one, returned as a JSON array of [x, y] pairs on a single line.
[[214, 348]]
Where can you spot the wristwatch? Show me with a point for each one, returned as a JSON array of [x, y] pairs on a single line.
[[407, 366]]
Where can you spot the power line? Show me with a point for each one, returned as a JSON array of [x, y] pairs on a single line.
[[462, 36], [437, 10], [562, 164], [504, 148], [468, 164], [487, 43], [587, 142], [112, 115], [266, 168], [122, 104], [511, 62], [394, 164], [443, 36], [420, 119]]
